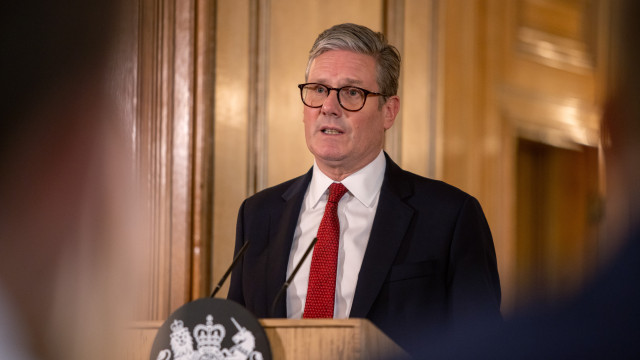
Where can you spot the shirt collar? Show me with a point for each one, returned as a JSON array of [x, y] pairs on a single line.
[[364, 184]]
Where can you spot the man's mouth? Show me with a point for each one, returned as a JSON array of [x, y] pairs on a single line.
[[331, 131]]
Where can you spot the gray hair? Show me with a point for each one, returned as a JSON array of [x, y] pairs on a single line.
[[362, 40]]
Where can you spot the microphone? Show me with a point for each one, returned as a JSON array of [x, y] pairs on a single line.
[[233, 264], [295, 271]]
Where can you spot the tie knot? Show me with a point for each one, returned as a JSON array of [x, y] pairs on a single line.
[[336, 191]]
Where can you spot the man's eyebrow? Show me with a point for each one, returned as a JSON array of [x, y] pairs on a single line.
[[341, 83], [350, 82], [353, 82]]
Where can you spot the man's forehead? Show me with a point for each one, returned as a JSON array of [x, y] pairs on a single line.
[[344, 66], [345, 56]]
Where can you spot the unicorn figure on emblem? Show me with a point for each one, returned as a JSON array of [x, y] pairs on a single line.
[[245, 342]]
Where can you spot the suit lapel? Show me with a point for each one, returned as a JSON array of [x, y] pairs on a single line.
[[390, 224], [281, 237]]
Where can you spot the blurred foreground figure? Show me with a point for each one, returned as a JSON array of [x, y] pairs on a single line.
[[64, 179], [603, 322]]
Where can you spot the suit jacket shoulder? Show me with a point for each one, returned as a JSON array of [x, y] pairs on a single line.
[[278, 193], [406, 184]]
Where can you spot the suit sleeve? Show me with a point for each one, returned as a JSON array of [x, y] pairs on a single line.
[[473, 281], [235, 289]]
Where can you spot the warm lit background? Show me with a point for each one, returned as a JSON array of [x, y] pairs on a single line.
[[502, 98]]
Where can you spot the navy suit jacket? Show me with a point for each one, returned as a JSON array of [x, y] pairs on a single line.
[[430, 261]]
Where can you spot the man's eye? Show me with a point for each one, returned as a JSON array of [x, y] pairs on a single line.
[[352, 92], [320, 90]]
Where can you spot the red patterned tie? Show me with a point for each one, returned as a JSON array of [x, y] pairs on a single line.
[[322, 277]]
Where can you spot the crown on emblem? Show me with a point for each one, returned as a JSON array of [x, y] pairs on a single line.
[[209, 336]]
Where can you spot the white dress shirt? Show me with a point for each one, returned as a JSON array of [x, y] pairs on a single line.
[[356, 211]]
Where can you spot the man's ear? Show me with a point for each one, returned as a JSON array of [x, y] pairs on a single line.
[[390, 111]]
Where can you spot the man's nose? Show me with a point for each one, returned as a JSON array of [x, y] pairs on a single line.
[[331, 105]]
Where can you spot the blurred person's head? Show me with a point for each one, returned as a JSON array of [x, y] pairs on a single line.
[[63, 170], [621, 124]]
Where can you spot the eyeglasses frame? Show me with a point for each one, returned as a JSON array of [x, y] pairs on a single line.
[[365, 91]]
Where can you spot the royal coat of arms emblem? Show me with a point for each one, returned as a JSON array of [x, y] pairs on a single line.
[[208, 343], [198, 331]]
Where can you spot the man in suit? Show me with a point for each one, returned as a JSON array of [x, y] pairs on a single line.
[[412, 253]]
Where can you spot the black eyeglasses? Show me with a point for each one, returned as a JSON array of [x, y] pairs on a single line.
[[351, 98]]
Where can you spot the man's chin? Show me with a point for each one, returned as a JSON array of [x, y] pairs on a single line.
[[330, 157], [328, 153]]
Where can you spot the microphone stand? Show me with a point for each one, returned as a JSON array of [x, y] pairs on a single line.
[[295, 271], [233, 264]]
